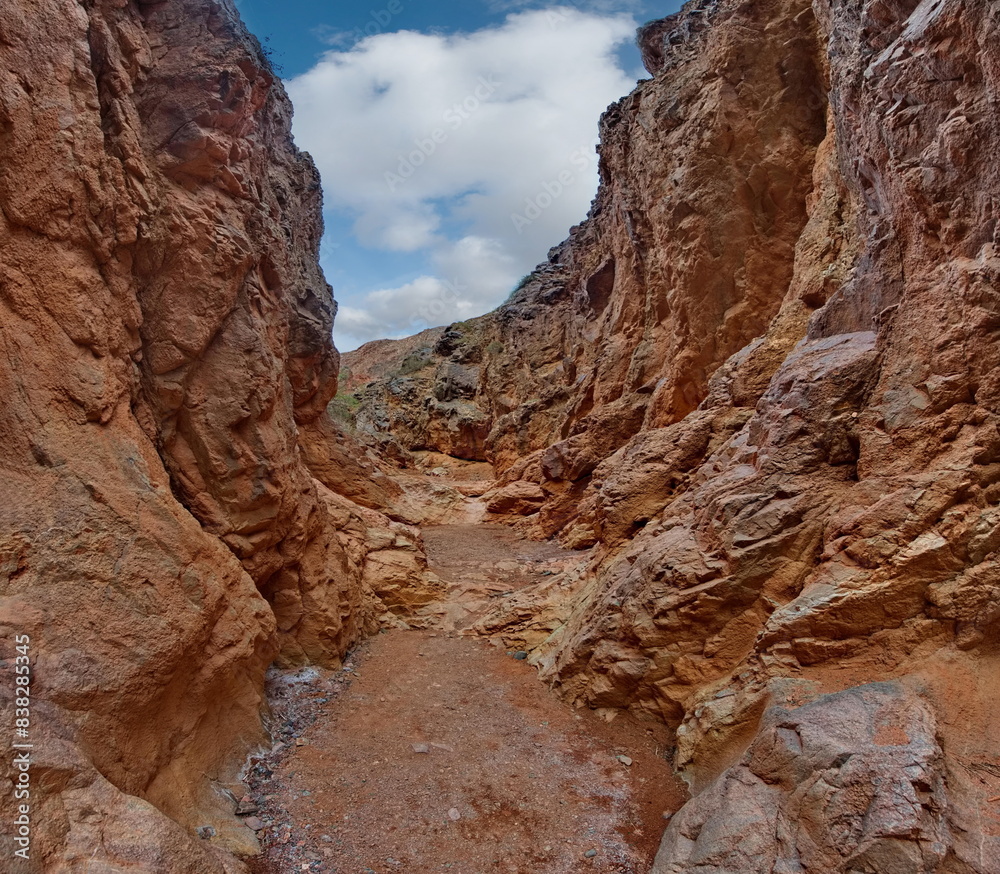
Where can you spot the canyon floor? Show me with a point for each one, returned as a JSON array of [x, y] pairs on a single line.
[[435, 750]]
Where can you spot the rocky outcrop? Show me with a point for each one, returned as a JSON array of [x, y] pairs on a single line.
[[850, 782], [685, 258], [166, 333], [383, 359], [759, 384], [424, 397]]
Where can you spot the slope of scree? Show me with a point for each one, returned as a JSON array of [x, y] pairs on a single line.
[[759, 385], [166, 358]]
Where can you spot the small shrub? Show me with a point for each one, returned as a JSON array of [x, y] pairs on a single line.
[[268, 53], [343, 409], [521, 284], [413, 363]]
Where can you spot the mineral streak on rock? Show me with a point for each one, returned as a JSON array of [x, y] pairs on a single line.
[[760, 384]]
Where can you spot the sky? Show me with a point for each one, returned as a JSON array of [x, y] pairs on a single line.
[[455, 140]]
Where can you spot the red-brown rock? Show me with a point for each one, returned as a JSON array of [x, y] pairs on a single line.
[[166, 331]]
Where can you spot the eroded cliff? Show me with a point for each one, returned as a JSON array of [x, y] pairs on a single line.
[[759, 383], [166, 337]]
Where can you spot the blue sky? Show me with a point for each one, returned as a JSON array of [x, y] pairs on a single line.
[[455, 140]]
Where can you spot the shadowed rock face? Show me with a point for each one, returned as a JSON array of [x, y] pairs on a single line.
[[166, 333], [760, 383]]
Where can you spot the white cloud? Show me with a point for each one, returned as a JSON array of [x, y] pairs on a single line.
[[601, 6], [437, 143]]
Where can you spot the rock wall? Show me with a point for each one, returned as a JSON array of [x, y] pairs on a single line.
[[166, 334], [684, 259], [772, 415]]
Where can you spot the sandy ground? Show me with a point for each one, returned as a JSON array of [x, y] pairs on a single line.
[[445, 754]]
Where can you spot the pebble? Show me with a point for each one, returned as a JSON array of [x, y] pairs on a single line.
[[253, 823], [246, 806], [454, 815], [521, 656], [421, 748], [590, 854], [205, 832], [626, 761]]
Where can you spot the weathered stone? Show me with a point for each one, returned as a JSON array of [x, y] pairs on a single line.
[[518, 499], [166, 332], [685, 258], [851, 782]]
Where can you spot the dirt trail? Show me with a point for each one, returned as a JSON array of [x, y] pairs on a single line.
[[482, 564], [433, 752]]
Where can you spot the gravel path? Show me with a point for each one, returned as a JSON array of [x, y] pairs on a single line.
[[433, 752]]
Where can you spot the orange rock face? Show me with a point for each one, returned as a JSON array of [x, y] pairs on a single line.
[[760, 384], [166, 333], [684, 259]]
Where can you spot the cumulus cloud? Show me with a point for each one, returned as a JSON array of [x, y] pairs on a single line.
[[474, 149]]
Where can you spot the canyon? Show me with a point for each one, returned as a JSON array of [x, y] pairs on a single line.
[[751, 403]]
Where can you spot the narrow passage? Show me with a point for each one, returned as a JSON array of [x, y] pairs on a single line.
[[436, 752]]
